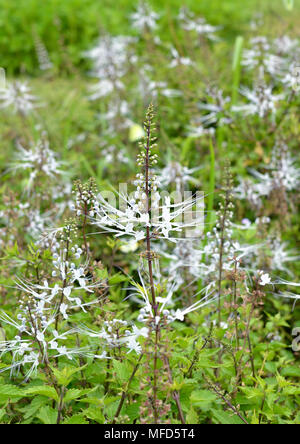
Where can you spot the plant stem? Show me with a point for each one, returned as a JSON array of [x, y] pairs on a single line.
[[125, 392], [149, 260], [60, 406], [230, 405], [235, 308], [175, 392]]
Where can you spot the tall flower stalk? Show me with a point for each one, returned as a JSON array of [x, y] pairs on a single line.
[[146, 159]]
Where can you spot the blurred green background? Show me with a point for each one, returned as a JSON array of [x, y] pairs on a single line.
[[68, 27]]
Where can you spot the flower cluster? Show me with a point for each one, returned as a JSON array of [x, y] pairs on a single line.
[[144, 18], [198, 25], [110, 63], [282, 172], [38, 159], [18, 95]]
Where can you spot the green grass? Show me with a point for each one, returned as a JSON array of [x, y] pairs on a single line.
[[69, 27]]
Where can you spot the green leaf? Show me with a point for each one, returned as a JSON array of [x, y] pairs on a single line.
[[2, 413], [236, 67], [122, 370], [65, 376], [290, 371], [10, 392], [76, 419], [36, 404], [226, 418], [44, 390], [117, 278], [72, 394], [47, 415], [192, 417], [202, 398], [95, 414]]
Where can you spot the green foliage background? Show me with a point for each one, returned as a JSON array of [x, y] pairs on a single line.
[[73, 24]]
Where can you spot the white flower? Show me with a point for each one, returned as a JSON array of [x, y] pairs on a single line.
[[133, 345], [175, 173], [144, 331], [38, 158], [111, 60], [18, 96], [104, 87], [144, 17], [217, 107], [178, 60], [259, 56], [133, 220], [261, 101], [264, 279], [63, 310], [199, 25], [282, 172]]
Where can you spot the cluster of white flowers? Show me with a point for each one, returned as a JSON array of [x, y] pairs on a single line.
[[119, 333], [186, 256], [111, 60], [282, 172], [42, 54], [216, 112], [43, 303], [165, 310], [117, 116], [283, 168], [18, 95], [144, 18], [259, 56], [178, 60], [262, 101], [264, 278], [216, 108], [281, 256], [174, 173], [151, 89], [39, 158], [112, 154], [132, 221], [279, 58], [197, 24]]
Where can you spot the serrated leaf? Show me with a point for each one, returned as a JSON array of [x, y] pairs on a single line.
[[10, 392], [72, 394], [290, 371], [64, 376], [117, 278], [43, 390], [76, 419], [36, 404], [122, 370], [94, 414]]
